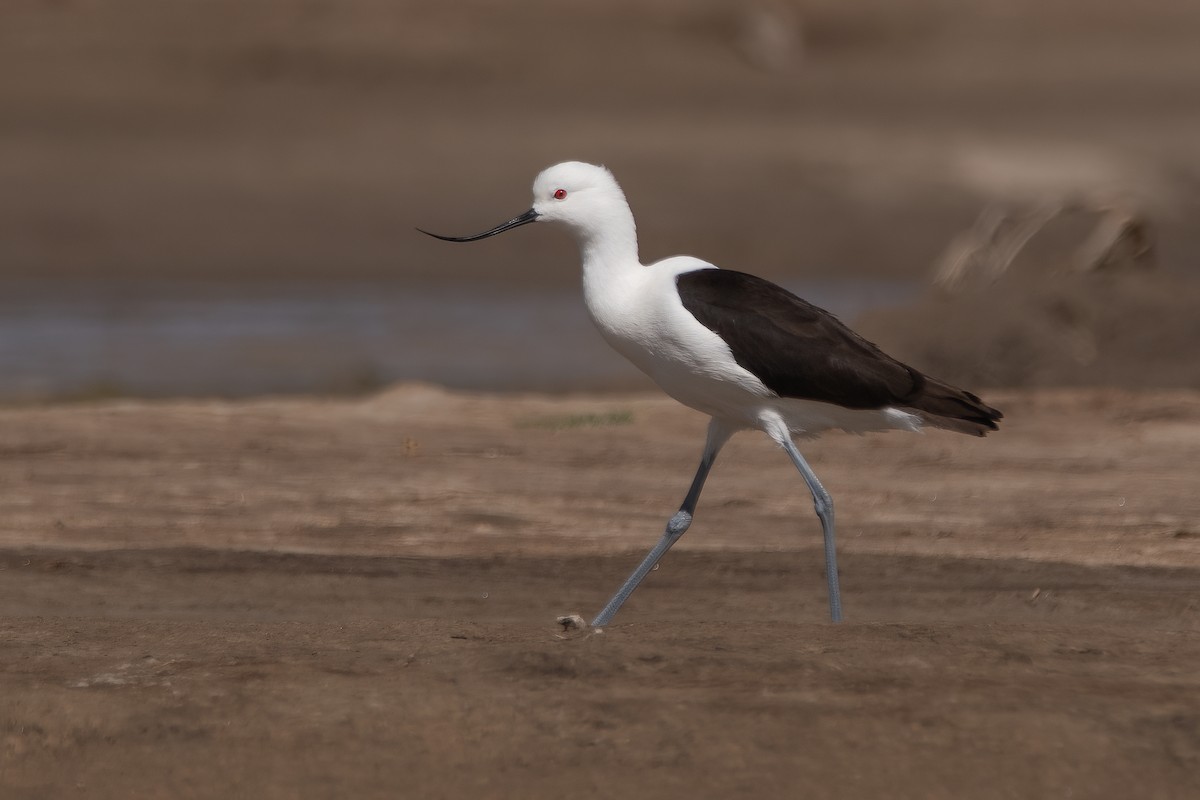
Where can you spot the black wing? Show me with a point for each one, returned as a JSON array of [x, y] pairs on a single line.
[[799, 350], [795, 348]]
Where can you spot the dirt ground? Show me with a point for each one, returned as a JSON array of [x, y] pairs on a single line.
[[307, 598]]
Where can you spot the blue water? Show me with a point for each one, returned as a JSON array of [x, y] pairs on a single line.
[[173, 340]]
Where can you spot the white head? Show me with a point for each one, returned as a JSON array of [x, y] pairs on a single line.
[[584, 196]]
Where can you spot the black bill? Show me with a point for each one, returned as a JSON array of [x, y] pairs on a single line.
[[516, 222]]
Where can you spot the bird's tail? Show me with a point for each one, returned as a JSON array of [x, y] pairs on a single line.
[[944, 406]]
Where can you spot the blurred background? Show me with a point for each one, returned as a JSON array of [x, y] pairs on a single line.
[[218, 197]]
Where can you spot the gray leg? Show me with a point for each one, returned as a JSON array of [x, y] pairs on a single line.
[[718, 435], [824, 505]]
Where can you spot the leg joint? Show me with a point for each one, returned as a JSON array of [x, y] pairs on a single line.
[[822, 501], [679, 523]]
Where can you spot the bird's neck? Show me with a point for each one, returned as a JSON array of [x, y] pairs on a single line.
[[611, 250]]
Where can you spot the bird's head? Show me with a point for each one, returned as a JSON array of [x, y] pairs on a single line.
[[583, 196]]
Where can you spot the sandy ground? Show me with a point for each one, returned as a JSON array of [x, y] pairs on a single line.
[[303, 598]]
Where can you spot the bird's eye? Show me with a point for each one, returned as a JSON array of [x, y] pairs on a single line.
[[560, 194]]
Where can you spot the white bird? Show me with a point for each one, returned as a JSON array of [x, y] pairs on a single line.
[[738, 348]]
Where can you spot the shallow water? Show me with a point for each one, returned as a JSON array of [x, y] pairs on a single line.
[[89, 340]]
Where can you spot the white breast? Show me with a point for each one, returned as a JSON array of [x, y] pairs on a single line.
[[641, 316]]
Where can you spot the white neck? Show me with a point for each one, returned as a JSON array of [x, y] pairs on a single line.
[[609, 250]]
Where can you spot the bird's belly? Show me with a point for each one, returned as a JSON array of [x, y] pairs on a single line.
[[712, 395], [695, 370]]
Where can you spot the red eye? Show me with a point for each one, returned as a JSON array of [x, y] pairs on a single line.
[[560, 194]]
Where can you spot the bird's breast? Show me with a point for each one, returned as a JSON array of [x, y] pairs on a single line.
[[649, 326]]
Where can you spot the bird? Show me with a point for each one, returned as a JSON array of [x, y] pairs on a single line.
[[740, 349]]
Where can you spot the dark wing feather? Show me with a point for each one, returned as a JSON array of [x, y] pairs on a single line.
[[799, 350], [795, 348]]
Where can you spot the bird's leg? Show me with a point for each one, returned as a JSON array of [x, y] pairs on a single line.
[[824, 505], [718, 435]]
